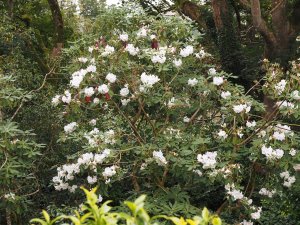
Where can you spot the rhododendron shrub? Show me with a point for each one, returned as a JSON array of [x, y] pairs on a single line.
[[148, 106]]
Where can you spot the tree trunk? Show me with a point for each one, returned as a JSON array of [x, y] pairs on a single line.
[[8, 217], [58, 21], [11, 8], [228, 42]]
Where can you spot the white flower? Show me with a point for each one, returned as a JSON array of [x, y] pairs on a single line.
[[124, 91], [212, 71], [108, 50], [149, 80], [69, 128], [218, 81], [159, 58], [256, 215], [123, 37], [177, 62], [225, 94], [186, 119], [93, 122], [82, 59], [295, 95], [241, 107], [288, 180], [100, 199], [266, 192], [152, 36], [236, 194], [92, 180], [279, 136], [188, 50], [91, 49], [159, 158], [72, 188], [103, 89], [142, 32], [272, 154], [285, 104], [111, 78], [125, 101], [89, 91], [171, 102], [208, 160], [55, 100], [96, 100], [222, 134], [250, 124], [293, 152], [67, 97], [91, 68], [198, 172], [280, 86], [245, 222], [109, 171], [132, 50], [192, 82]]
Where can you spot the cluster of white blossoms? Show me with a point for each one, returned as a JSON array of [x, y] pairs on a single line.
[[266, 192], [82, 59], [288, 179], [123, 37], [69, 128], [10, 196], [177, 62], [124, 91], [192, 82], [279, 87], [89, 91], [271, 153], [250, 124], [95, 137], [142, 32], [218, 81], [246, 222], [68, 171], [111, 78], [212, 72], [188, 50], [159, 158], [108, 50], [78, 76], [295, 95], [233, 192], [222, 134], [225, 94], [148, 81], [208, 160], [242, 108], [285, 104], [159, 56], [256, 215], [109, 171], [132, 50]]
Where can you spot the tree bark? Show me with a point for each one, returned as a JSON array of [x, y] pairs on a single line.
[[58, 21], [11, 8], [8, 217]]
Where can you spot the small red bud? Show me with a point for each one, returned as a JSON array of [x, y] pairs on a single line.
[[107, 96], [154, 44], [88, 99]]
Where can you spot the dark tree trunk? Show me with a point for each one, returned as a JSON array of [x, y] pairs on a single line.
[[228, 41], [58, 21], [10, 8]]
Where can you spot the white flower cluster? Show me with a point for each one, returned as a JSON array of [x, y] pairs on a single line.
[[285, 104], [10, 196], [159, 158], [246, 222], [222, 134], [69, 128], [279, 87], [192, 82], [288, 179], [68, 171], [177, 62], [111, 77], [148, 81], [272, 154], [218, 81], [188, 50], [55, 100], [79, 75], [241, 108], [225, 94], [124, 91], [256, 215], [109, 171], [94, 137], [142, 32], [123, 37], [212, 71], [295, 95], [82, 59], [159, 56], [132, 50], [208, 160], [103, 89], [250, 124], [281, 131], [233, 192], [266, 192], [89, 91], [108, 50]]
